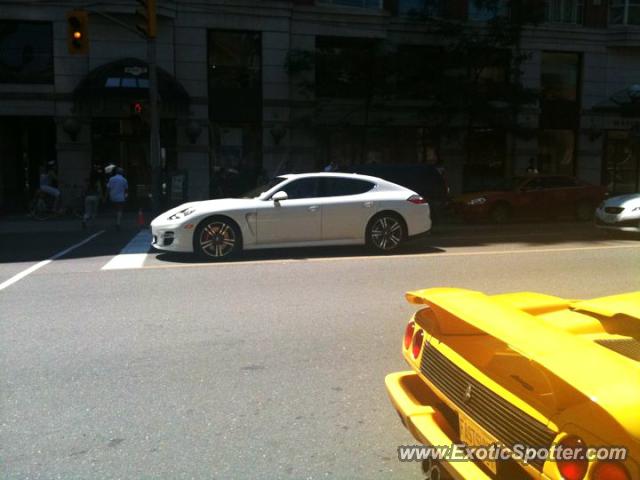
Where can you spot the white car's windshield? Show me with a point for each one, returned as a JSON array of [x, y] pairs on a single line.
[[260, 189]]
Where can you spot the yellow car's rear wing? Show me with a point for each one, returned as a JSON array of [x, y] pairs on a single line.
[[575, 359]]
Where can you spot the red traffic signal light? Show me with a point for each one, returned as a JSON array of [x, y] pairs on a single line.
[[77, 32], [137, 108]]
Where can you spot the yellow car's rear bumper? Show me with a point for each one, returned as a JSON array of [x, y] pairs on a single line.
[[412, 399]]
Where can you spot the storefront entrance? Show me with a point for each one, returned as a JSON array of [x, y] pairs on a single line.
[[26, 144], [621, 169], [125, 142]]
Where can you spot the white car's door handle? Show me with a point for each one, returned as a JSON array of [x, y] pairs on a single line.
[[313, 208], [368, 204]]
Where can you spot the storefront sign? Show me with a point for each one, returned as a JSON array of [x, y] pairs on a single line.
[[135, 71]]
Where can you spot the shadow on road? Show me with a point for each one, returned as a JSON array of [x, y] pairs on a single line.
[[441, 240], [299, 253], [35, 242]]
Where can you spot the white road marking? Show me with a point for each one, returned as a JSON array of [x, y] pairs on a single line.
[[432, 255], [133, 254], [33, 268]]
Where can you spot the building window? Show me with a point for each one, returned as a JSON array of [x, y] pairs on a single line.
[[560, 90], [345, 67], [624, 12], [235, 76], [556, 151], [560, 73], [235, 110], [485, 165], [26, 52], [356, 145], [234, 59], [429, 8], [621, 168], [483, 11], [236, 158], [376, 4], [564, 11]]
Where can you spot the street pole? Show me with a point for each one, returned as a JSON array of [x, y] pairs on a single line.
[[154, 124]]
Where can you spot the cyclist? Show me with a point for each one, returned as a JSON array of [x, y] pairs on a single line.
[[47, 181]]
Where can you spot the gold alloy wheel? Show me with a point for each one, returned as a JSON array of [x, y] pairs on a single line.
[[217, 239]]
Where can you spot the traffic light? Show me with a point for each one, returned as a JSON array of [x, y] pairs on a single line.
[[146, 12], [136, 108], [78, 32]]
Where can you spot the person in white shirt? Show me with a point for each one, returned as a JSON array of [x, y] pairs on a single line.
[[118, 188], [47, 179]]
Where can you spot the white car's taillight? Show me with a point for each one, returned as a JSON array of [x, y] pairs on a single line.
[[417, 199]]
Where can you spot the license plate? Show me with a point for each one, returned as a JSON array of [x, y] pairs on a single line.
[[608, 218], [473, 436]]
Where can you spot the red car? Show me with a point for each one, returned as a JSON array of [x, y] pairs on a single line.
[[539, 196]]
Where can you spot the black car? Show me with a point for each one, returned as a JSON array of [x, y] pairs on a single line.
[[426, 180]]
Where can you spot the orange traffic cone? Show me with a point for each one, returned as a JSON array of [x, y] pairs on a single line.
[[141, 222]]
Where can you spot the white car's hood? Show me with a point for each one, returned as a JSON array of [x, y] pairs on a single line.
[[627, 201], [206, 207], [223, 204]]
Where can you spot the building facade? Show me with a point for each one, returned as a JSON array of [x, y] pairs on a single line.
[[233, 111]]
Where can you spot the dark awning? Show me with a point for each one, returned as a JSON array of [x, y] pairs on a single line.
[[128, 78], [624, 102]]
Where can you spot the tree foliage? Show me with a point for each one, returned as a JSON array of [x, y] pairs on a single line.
[[463, 74]]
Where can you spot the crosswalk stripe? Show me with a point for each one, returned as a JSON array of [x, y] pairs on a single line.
[[43, 263], [133, 254]]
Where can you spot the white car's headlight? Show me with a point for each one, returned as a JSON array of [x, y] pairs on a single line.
[[182, 213], [477, 201], [636, 209]]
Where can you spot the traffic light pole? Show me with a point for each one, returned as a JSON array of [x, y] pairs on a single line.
[[154, 124]]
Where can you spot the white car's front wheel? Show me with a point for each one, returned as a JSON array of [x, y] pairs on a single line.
[[385, 232], [217, 238]]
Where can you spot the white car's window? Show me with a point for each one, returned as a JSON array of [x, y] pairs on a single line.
[[337, 187], [256, 192], [303, 188]]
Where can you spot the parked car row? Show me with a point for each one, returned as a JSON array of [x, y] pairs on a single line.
[[540, 196], [621, 213], [380, 211]]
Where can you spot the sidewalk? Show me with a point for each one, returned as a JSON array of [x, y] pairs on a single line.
[[537, 226], [25, 224]]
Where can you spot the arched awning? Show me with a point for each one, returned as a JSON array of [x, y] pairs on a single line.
[[128, 78], [625, 102]]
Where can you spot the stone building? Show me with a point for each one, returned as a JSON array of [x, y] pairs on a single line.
[[229, 104]]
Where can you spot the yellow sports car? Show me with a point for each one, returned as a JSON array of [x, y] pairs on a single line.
[[521, 385]]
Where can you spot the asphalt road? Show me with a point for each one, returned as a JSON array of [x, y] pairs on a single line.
[[269, 367]]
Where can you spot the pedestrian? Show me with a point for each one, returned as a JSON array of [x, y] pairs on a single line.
[[92, 195], [332, 167], [118, 189], [48, 183]]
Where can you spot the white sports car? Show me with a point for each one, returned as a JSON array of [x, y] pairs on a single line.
[[620, 213], [298, 210]]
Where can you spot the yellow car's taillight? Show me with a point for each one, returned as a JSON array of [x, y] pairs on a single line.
[[418, 338], [408, 333], [574, 469], [610, 471]]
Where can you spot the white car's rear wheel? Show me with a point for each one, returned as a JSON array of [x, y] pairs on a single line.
[[385, 232], [217, 238]]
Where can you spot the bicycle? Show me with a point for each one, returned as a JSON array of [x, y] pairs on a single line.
[[42, 206]]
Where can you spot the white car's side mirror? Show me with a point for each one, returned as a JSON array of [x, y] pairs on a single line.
[[279, 196]]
